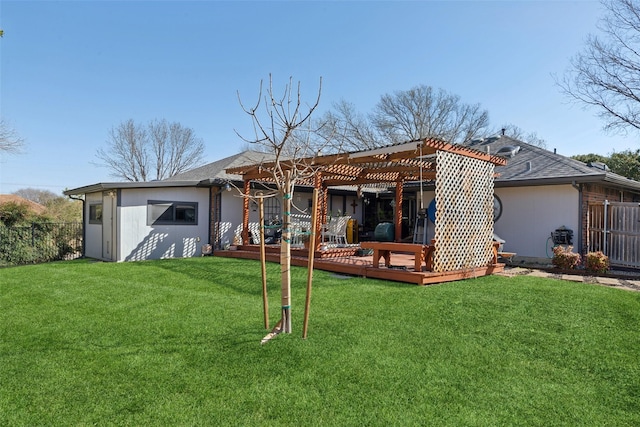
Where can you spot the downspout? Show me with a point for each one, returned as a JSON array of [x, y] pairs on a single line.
[[210, 217], [580, 218], [84, 228]]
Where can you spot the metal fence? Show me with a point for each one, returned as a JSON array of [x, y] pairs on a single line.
[[614, 229], [40, 242]]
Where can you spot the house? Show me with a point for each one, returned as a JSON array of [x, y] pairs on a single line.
[[536, 193], [176, 217], [33, 207], [540, 191]]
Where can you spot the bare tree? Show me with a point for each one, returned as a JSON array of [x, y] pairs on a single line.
[[176, 148], [345, 128], [157, 151], [417, 113], [36, 195], [517, 132], [283, 127], [606, 74], [10, 141], [422, 112], [126, 152]]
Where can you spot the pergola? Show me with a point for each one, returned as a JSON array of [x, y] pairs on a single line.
[[463, 177]]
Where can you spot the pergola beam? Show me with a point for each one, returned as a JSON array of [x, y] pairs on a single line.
[[405, 159]]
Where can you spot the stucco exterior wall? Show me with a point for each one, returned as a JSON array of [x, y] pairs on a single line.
[[139, 241], [530, 214]]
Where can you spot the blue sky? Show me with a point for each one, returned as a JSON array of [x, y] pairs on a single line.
[[70, 71]]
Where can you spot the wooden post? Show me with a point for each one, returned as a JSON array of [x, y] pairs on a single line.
[[398, 216], [263, 262], [324, 207], [285, 254], [307, 303], [316, 227], [245, 212]]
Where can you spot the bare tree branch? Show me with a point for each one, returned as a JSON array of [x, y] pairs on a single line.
[[606, 75], [10, 141], [282, 126], [159, 151], [417, 113]]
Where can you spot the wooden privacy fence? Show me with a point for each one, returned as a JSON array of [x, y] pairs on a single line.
[[614, 229]]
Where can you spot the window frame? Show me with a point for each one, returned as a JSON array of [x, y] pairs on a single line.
[[95, 213], [175, 213]]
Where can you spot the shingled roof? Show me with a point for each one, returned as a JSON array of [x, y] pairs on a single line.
[[203, 176], [216, 171], [531, 165]]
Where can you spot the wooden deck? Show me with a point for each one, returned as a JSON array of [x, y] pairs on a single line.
[[346, 261]]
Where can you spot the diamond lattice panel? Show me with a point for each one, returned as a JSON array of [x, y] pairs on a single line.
[[464, 212]]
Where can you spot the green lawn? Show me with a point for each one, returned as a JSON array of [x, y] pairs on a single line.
[[177, 342]]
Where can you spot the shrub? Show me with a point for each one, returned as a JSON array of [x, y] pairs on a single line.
[[565, 258], [596, 262]]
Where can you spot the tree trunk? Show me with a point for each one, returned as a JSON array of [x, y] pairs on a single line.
[[285, 255]]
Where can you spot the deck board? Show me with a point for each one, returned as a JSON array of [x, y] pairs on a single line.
[[343, 260]]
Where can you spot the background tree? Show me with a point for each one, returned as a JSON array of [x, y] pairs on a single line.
[[13, 213], [625, 163], [36, 195], [419, 112], [156, 151], [57, 208], [518, 133], [176, 148], [345, 128], [10, 141], [423, 111], [591, 157], [606, 74]]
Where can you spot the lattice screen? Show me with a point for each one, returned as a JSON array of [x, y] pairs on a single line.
[[464, 212]]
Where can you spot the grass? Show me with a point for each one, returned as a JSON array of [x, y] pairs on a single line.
[[176, 342]]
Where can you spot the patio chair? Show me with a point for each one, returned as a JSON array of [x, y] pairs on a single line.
[[336, 230]]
